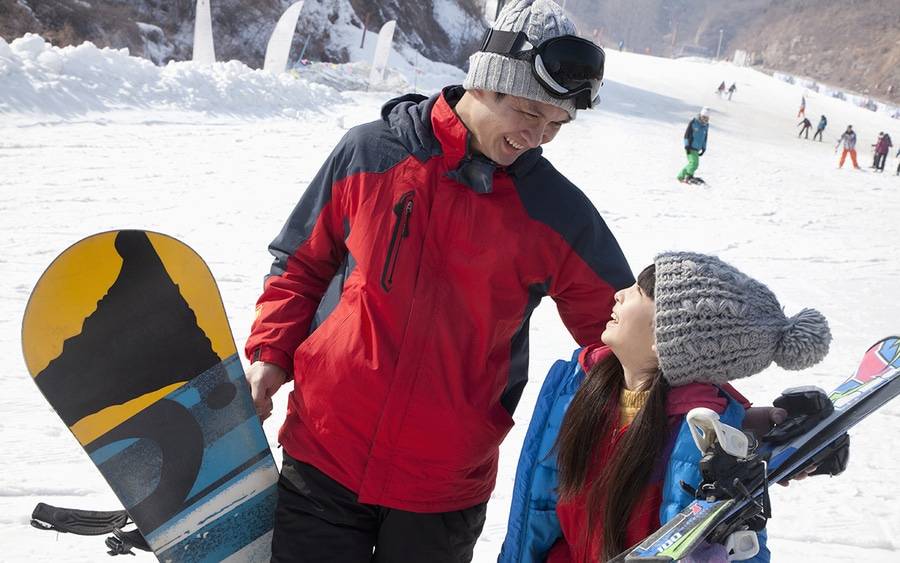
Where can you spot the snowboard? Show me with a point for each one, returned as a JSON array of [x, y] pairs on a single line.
[[875, 382], [126, 336]]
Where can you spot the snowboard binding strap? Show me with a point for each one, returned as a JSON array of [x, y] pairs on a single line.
[[75, 521], [91, 523]]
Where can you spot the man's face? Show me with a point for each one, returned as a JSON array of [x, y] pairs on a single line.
[[704, 119], [503, 129]]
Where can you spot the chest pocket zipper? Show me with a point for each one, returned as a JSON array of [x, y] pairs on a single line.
[[403, 212]]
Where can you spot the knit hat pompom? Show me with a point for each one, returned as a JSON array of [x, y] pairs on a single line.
[[804, 342]]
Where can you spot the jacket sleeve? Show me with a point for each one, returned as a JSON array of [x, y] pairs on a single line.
[[308, 251], [705, 138], [592, 269], [533, 526], [689, 135]]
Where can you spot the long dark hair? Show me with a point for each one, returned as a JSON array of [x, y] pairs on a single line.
[[592, 416]]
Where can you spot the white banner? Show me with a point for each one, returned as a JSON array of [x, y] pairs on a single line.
[[279, 47], [382, 52], [204, 52]]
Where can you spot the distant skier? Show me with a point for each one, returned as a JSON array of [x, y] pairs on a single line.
[[806, 123], [721, 89], [820, 128], [695, 146], [731, 90], [898, 162], [849, 141], [882, 148], [875, 150], [802, 112], [621, 44]]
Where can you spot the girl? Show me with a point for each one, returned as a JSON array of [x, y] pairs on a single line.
[[605, 452]]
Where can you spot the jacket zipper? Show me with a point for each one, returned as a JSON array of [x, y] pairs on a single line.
[[403, 211]]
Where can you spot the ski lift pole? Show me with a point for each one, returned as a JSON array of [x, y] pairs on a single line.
[[303, 50], [416, 74], [362, 42]]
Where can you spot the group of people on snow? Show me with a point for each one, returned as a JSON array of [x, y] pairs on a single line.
[[398, 307], [847, 140], [881, 149], [721, 90], [805, 125]]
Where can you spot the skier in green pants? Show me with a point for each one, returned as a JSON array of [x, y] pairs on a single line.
[[695, 146]]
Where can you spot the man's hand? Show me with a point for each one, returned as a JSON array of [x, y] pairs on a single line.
[[264, 379], [799, 476], [760, 420]]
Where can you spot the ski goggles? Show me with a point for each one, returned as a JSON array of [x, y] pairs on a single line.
[[566, 67]]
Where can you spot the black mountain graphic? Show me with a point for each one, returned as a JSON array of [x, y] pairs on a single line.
[[142, 337]]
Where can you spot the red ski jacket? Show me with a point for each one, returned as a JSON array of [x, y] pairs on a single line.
[[400, 299]]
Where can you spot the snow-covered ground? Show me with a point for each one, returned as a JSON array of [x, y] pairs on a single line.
[[92, 140]]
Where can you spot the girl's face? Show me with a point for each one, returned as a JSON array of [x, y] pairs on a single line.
[[630, 333]]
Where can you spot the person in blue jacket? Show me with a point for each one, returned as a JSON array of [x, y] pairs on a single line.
[[694, 144], [607, 447], [820, 128]]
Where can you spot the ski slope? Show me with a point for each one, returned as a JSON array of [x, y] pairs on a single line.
[[92, 140]]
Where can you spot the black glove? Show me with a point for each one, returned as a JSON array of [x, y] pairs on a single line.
[[833, 458], [701, 152], [687, 151]]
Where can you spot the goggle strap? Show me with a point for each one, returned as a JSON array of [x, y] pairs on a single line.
[[503, 42]]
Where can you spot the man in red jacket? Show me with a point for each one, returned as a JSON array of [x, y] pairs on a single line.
[[399, 300]]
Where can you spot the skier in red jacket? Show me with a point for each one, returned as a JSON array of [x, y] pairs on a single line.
[[399, 300]]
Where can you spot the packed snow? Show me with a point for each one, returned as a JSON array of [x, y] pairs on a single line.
[[93, 139]]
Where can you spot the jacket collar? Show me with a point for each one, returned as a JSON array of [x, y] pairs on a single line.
[[473, 170], [428, 127]]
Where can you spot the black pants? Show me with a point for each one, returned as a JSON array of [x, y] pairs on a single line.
[[818, 134], [804, 130], [879, 161], [318, 519]]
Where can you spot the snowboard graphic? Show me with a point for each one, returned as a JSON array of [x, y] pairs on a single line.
[[126, 336]]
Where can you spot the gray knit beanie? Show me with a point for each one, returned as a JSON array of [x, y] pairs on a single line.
[[540, 20], [715, 324]]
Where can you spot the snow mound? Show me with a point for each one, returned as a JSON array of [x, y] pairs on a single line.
[[38, 78]]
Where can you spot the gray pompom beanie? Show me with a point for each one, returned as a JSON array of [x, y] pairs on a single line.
[[540, 20], [715, 324]]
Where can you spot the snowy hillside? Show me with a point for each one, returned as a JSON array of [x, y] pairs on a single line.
[[92, 140]]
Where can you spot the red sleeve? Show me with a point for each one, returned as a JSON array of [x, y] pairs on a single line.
[[584, 297], [308, 252]]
